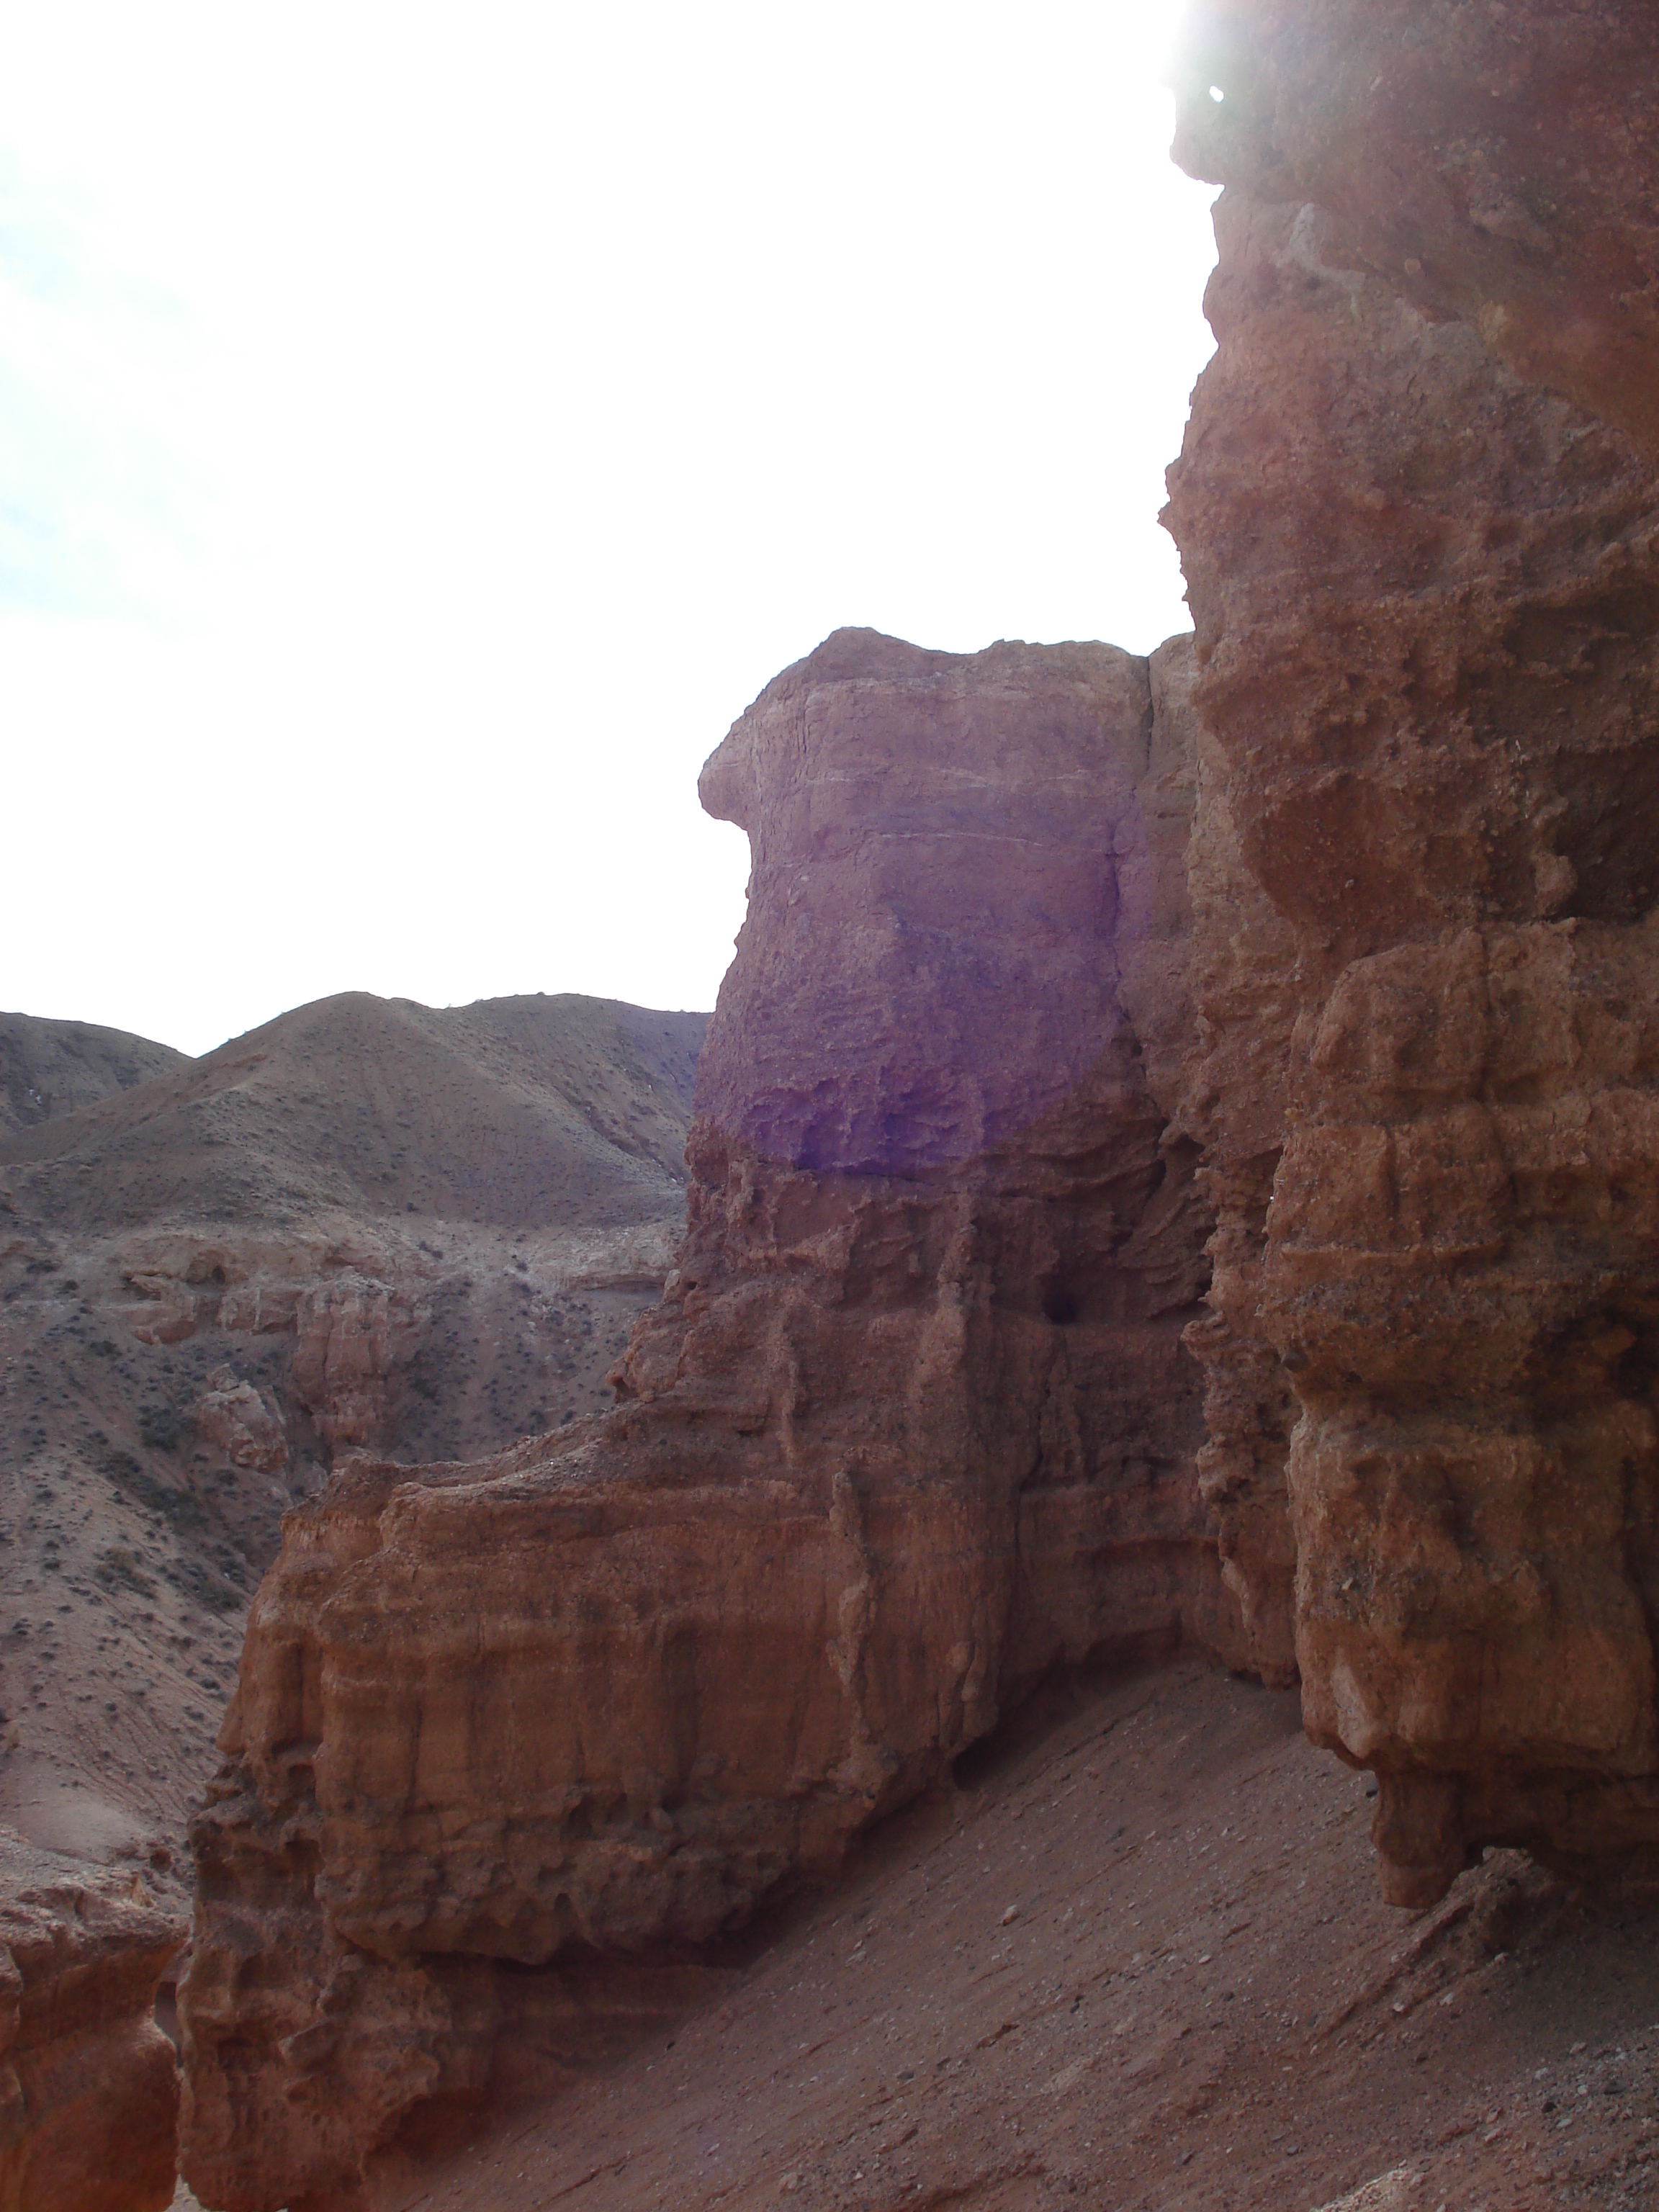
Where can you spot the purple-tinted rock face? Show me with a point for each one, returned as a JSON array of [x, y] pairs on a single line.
[[913, 1425], [930, 963]]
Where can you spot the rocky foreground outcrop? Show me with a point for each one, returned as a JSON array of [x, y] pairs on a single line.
[[369, 1227], [88, 2083], [913, 1425], [1419, 509]]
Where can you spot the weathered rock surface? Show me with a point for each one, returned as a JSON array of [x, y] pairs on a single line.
[[383, 1227], [1310, 969], [371, 1226], [1233, 1105], [1418, 507], [913, 1425], [242, 1423], [88, 2083]]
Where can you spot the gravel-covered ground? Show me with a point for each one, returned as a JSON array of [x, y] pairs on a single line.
[[1139, 1959]]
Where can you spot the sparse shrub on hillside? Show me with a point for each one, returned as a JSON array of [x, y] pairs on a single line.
[[133, 1481], [206, 1585], [160, 1427], [117, 1568]]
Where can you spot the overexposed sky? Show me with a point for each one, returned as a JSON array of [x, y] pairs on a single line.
[[423, 431]]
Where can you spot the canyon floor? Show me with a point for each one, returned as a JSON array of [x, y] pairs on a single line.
[[1136, 1959]]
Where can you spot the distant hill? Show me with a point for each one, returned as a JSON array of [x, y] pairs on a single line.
[[369, 1225], [50, 1068], [526, 1113]]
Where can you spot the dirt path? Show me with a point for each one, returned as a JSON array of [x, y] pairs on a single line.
[[1140, 1963]]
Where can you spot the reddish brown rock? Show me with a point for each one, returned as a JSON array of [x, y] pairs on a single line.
[[913, 1425], [233, 1416], [374, 1227], [88, 2083], [1242, 970], [356, 1340], [1418, 507]]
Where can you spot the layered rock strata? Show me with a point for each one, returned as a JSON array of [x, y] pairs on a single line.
[[88, 2083], [1418, 507], [913, 1425], [1232, 1106], [371, 1227]]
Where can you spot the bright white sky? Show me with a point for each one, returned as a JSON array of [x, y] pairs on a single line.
[[423, 430]]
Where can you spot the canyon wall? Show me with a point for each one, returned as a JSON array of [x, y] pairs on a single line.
[[1417, 504], [88, 2083], [1147, 1095], [369, 1227], [913, 1426]]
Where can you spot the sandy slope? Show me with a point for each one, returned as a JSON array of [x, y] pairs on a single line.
[[495, 1189], [1140, 1962]]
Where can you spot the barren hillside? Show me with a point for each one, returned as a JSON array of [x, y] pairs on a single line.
[[49, 1068], [369, 1225]]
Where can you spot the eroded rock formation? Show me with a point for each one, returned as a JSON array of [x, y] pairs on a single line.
[[1311, 966], [913, 1425], [371, 1226], [1418, 507], [1232, 1105], [88, 2083]]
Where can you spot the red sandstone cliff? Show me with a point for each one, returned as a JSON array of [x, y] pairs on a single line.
[[1418, 507], [88, 2084], [369, 1226], [1312, 963], [913, 1425]]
